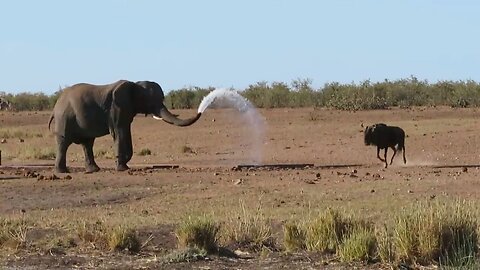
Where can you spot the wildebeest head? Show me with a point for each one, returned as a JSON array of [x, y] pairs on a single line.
[[368, 135]]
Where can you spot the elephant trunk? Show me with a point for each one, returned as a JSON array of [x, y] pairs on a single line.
[[168, 117]]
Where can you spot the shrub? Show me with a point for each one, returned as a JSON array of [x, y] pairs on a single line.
[[199, 232], [325, 232], [360, 245], [123, 238], [93, 233], [13, 232], [293, 237], [249, 229], [442, 233], [145, 152]]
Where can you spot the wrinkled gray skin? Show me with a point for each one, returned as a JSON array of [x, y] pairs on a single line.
[[84, 112], [384, 136]]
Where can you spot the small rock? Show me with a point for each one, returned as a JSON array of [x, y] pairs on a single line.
[[21, 140], [372, 191], [318, 175], [213, 120], [354, 171], [216, 173], [432, 196], [238, 181], [309, 181], [68, 177], [3, 141], [409, 191], [464, 169]]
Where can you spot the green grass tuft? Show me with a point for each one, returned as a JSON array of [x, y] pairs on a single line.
[[122, 238], [199, 232], [360, 245]]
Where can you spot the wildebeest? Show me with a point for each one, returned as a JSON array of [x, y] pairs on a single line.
[[384, 136]]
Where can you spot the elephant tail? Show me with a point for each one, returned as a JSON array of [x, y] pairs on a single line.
[[50, 121]]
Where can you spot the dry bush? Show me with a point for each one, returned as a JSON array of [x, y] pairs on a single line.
[[293, 237], [145, 152], [249, 229], [199, 232], [13, 232], [437, 233], [123, 238]]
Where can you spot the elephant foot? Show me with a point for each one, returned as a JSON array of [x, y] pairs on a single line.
[[92, 168], [61, 170], [122, 167]]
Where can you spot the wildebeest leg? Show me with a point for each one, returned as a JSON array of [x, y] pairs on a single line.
[[404, 159], [378, 154], [394, 153], [90, 165], [385, 157]]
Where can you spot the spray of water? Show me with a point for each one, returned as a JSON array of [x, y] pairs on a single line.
[[222, 98]]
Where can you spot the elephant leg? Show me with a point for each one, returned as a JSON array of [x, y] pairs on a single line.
[[124, 148], [90, 165], [61, 158]]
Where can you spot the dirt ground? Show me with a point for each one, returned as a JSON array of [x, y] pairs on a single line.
[[442, 162]]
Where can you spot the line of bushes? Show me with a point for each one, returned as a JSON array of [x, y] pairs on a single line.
[[364, 95]]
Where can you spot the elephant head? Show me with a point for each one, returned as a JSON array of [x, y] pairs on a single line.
[[150, 101]]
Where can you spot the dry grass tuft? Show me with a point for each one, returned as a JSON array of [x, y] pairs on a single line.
[[199, 232], [123, 238], [249, 229]]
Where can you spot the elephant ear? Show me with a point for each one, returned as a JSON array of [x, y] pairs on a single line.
[[122, 100]]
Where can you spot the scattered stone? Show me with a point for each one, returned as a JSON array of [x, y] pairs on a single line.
[[238, 181], [21, 140], [432, 196], [318, 175], [3, 141], [354, 171], [372, 191], [68, 177], [465, 169], [216, 173], [409, 191], [213, 120], [308, 181]]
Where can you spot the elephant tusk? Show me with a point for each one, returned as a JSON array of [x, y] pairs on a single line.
[[156, 117]]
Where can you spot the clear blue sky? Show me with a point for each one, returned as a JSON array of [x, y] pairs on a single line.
[[49, 44]]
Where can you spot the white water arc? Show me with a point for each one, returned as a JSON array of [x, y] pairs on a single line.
[[255, 122]]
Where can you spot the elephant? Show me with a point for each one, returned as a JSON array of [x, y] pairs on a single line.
[[85, 111]]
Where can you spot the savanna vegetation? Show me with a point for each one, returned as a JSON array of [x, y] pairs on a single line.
[[425, 233], [365, 95]]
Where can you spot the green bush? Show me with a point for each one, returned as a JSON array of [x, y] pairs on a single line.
[[365, 95]]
